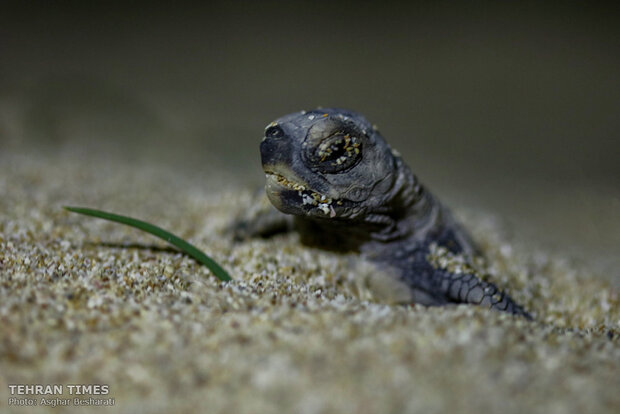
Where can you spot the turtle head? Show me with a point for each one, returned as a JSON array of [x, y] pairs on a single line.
[[327, 163]]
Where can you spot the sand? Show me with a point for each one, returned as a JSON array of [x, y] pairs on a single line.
[[84, 301]]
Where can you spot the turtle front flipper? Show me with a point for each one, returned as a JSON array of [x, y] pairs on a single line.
[[437, 277], [261, 220], [468, 288]]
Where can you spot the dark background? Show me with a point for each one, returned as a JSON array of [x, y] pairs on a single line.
[[507, 107]]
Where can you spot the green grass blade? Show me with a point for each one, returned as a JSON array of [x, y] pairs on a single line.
[[186, 247]]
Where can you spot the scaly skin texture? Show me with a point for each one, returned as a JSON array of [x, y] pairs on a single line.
[[348, 190]]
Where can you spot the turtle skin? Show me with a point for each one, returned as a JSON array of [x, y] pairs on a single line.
[[343, 188]]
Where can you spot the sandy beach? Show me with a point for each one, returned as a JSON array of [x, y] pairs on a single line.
[[84, 301], [507, 112]]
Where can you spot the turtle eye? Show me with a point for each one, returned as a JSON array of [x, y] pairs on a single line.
[[274, 131], [337, 153]]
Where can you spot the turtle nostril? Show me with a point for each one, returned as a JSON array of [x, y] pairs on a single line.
[[274, 131], [268, 151]]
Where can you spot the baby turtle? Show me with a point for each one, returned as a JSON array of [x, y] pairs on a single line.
[[344, 188]]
